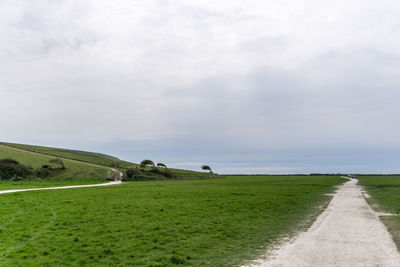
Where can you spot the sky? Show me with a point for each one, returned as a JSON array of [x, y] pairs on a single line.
[[252, 86]]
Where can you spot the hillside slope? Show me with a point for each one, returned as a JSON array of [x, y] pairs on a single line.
[[83, 164], [73, 169], [91, 157]]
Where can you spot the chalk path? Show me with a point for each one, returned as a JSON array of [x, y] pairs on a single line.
[[115, 182], [58, 187], [347, 233]]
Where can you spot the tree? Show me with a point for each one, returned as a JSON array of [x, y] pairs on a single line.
[[206, 168], [58, 161], [166, 172], [162, 165], [147, 163]]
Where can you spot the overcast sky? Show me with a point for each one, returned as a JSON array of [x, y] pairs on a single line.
[[244, 86]]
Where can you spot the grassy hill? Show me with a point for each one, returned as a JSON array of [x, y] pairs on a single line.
[[90, 157], [82, 164], [73, 169]]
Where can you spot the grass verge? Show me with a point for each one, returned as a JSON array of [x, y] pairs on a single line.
[[385, 197]]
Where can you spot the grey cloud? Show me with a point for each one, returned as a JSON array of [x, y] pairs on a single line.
[[262, 85]]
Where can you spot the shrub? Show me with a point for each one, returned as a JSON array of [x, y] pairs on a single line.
[[169, 174], [9, 161], [132, 174], [58, 161], [44, 173], [155, 170], [12, 169], [166, 172]]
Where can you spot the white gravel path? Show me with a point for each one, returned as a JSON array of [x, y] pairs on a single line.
[[347, 233], [58, 187]]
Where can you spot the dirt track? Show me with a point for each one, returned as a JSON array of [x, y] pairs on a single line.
[[347, 233]]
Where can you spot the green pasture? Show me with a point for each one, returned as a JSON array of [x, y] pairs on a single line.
[[214, 222], [385, 197]]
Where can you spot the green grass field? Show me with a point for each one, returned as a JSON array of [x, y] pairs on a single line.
[[214, 222], [200, 222], [385, 197]]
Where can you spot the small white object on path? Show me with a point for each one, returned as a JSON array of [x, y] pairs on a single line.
[[58, 187], [347, 233]]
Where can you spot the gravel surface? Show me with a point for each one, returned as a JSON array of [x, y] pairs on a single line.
[[347, 233], [58, 187]]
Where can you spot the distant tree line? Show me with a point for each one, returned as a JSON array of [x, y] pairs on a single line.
[[147, 170]]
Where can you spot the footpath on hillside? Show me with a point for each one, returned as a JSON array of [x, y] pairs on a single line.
[[117, 180], [59, 187], [347, 233]]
